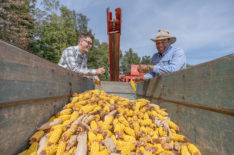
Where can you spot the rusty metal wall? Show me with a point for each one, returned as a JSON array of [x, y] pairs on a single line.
[[201, 101], [32, 89]]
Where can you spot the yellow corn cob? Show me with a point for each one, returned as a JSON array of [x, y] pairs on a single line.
[[137, 107], [123, 121], [93, 125], [159, 148], [65, 117], [99, 137], [172, 125], [66, 123], [55, 136], [178, 137], [91, 136], [167, 153], [161, 132], [98, 83], [145, 101], [184, 150], [67, 134], [125, 146], [109, 120], [128, 138], [61, 147], [193, 149], [132, 83], [74, 99], [33, 149], [87, 108], [72, 150], [74, 116], [119, 127], [65, 112], [94, 148], [161, 112], [129, 131], [69, 105], [50, 150], [104, 152], [136, 126], [37, 136]]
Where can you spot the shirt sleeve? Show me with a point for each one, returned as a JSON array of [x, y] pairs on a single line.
[[149, 75], [74, 66], [177, 62]]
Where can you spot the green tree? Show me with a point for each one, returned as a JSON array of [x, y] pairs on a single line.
[[56, 32], [129, 58], [16, 21], [99, 57], [145, 60]]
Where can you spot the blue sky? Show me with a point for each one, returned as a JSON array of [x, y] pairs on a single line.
[[203, 28]]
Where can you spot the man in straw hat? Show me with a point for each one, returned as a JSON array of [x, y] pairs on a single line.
[[168, 59]]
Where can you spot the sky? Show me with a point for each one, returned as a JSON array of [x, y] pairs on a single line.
[[204, 28]]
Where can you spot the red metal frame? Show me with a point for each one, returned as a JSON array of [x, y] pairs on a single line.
[[133, 73], [114, 32]]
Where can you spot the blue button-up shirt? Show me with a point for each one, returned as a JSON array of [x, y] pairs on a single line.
[[173, 59]]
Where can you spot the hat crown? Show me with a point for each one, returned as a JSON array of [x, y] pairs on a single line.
[[163, 33]]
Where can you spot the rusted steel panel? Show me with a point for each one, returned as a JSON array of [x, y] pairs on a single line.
[[26, 76], [32, 89], [199, 99]]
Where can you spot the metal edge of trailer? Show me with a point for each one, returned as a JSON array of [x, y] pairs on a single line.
[[32, 89], [200, 100]]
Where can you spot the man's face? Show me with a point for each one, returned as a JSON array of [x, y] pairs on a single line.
[[85, 45], [162, 45]]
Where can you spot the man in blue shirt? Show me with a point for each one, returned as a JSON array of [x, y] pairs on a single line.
[[168, 59]]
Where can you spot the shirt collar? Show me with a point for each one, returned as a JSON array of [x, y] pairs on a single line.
[[164, 53]]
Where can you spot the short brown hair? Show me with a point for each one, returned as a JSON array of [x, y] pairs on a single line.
[[85, 35]]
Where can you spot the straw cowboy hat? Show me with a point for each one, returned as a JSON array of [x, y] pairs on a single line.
[[164, 34]]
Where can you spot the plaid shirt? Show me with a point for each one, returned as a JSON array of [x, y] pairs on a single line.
[[73, 60]]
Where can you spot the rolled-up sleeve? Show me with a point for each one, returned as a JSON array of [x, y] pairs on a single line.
[[177, 62]]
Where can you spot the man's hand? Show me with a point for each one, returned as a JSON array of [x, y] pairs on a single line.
[[138, 78], [97, 81], [96, 78], [145, 67], [100, 71], [142, 67]]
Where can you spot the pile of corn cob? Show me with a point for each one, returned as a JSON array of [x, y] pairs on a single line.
[[96, 123]]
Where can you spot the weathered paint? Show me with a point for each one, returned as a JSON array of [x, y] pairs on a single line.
[[206, 85], [32, 89]]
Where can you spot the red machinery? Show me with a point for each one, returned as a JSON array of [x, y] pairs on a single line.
[[133, 73], [114, 32]]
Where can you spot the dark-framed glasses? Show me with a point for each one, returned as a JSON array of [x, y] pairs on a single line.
[[88, 42]]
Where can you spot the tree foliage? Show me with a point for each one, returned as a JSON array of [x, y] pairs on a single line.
[[128, 58], [145, 60], [56, 32], [16, 21]]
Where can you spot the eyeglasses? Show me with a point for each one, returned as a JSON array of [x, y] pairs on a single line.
[[88, 42]]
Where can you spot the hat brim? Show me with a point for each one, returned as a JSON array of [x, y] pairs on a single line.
[[173, 39]]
